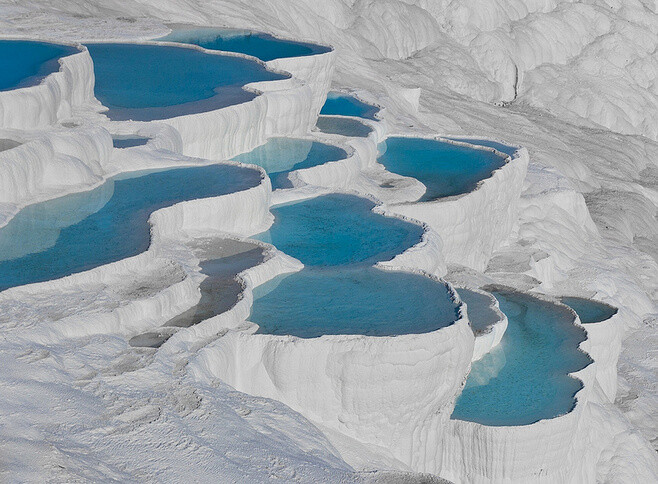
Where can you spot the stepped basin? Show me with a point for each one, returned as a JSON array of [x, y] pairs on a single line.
[[128, 141], [81, 231], [525, 378], [7, 144], [25, 62], [480, 313], [343, 126], [503, 148], [280, 156], [338, 229], [444, 168], [339, 103], [263, 46], [588, 310], [368, 301], [143, 82]]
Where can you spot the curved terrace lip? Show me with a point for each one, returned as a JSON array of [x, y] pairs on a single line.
[[575, 374], [212, 103], [49, 67], [321, 47], [507, 159]]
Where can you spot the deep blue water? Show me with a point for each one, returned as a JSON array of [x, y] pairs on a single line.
[[508, 150], [355, 300], [260, 45], [146, 82], [25, 62], [342, 104], [128, 141], [280, 156], [524, 379], [343, 127], [444, 168], [338, 229], [480, 313], [588, 310], [81, 231]]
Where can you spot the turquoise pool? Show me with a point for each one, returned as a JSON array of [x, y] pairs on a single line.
[[336, 229], [525, 378], [342, 104], [588, 310], [144, 82], [263, 46], [444, 168], [123, 142], [26, 62], [508, 150], [343, 127], [81, 231], [480, 313], [280, 156]]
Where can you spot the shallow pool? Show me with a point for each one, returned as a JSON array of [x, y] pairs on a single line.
[[369, 301], [280, 156], [263, 46], [339, 103], [480, 312], [123, 142], [343, 127], [81, 231], [525, 378], [588, 310], [503, 148], [146, 82], [338, 229], [444, 168], [26, 62]]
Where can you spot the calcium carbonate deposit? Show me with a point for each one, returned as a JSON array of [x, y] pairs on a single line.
[[340, 241]]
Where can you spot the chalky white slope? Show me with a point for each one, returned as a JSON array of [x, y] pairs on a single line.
[[574, 83]]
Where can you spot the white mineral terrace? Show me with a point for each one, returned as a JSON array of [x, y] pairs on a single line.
[[222, 403]]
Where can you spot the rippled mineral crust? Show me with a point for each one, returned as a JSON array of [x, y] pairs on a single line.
[[568, 90]]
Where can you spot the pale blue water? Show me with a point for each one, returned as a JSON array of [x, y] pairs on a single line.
[[480, 313], [280, 156], [508, 150], [369, 301], [525, 379], [260, 45], [342, 104], [147, 82], [81, 231], [444, 168], [338, 229], [128, 141], [25, 62], [343, 127], [588, 310]]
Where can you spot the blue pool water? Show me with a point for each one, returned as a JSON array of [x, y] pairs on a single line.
[[146, 82], [25, 62], [343, 127], [81, 231], [480, 313], [346, 105], [280, 156], [369, 301], [525, 379], [508, 150], [588, 310], [128, 141], [444, 168], [338, 229], [260, 45]]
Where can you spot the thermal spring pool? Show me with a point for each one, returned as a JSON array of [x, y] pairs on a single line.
[[446, 169], [525, 378], [263, 46], [588, 310], [123, 142], [26, 62], [84, 230], [339, 103], [343, 126], [143, 82], [480, 312], [338, 229], [280, 156]]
